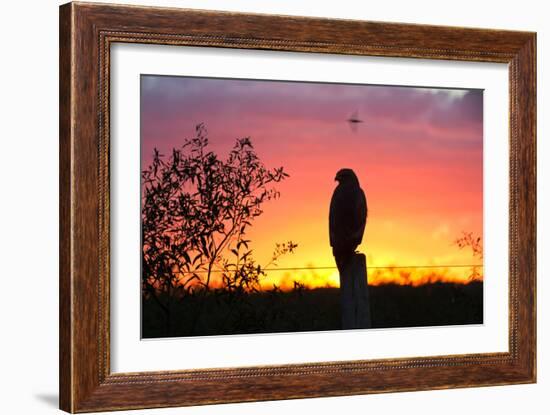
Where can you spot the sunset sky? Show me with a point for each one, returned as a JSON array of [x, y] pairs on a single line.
[[418, 156]]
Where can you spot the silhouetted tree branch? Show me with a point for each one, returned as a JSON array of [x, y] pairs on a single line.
[[475, 244]]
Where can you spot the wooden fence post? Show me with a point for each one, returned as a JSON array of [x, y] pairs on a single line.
[[354, 294]]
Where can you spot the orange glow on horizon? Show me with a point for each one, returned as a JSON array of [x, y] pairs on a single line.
[[313, 278]]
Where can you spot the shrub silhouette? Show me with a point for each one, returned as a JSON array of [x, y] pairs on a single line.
[[468, 241], [196, 210]]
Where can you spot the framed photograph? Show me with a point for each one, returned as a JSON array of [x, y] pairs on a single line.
[[258, 207]]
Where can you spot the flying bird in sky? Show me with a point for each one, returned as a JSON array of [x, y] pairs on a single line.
[[347, 217], [354, 120]]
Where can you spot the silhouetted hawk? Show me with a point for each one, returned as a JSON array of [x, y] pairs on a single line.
[[347, 216]]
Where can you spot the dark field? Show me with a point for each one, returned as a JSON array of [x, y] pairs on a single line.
[[217, 313]]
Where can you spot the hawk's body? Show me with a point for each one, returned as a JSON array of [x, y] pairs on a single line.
[[347, 216]]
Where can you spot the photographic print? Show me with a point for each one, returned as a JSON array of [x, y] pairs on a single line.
[[284, 206]]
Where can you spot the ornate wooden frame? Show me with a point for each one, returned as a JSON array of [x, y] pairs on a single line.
[[86, 33]]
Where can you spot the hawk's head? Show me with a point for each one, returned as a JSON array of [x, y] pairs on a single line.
[[346, 176]]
